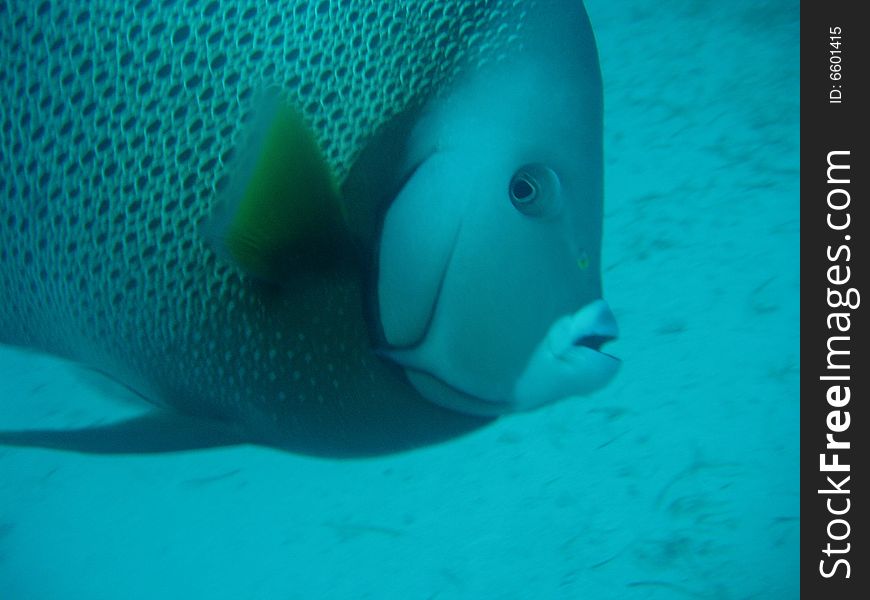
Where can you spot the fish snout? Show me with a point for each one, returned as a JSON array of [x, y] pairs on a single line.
[[568, 361]]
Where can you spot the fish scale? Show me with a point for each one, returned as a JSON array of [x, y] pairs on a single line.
[[119, 122]]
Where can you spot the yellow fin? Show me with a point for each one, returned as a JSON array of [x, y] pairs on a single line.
[[284, 209]]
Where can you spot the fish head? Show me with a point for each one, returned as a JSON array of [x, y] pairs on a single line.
[[489, 260]]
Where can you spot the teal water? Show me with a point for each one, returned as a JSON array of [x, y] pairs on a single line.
[[680, 479]]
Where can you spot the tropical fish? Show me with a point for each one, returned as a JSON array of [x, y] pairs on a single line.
[[340, 228]]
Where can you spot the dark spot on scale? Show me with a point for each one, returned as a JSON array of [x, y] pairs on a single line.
[[180, 34]]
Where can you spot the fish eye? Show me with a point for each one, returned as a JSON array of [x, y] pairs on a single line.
[[534, 191]]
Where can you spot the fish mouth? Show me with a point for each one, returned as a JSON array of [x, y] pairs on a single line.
[[590, 328], [568, 361], [594, 342]]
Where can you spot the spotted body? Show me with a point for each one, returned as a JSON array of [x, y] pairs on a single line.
[[119, 126]]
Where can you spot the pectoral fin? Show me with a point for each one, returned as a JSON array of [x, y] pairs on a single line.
[[282, 209], [155, 432]]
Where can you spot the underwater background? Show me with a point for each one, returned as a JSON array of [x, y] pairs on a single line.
[[678, 480]]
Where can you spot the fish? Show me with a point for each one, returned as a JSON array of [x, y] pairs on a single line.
[[339, 228]]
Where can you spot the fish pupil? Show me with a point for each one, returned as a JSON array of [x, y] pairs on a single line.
[[522, 189]]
